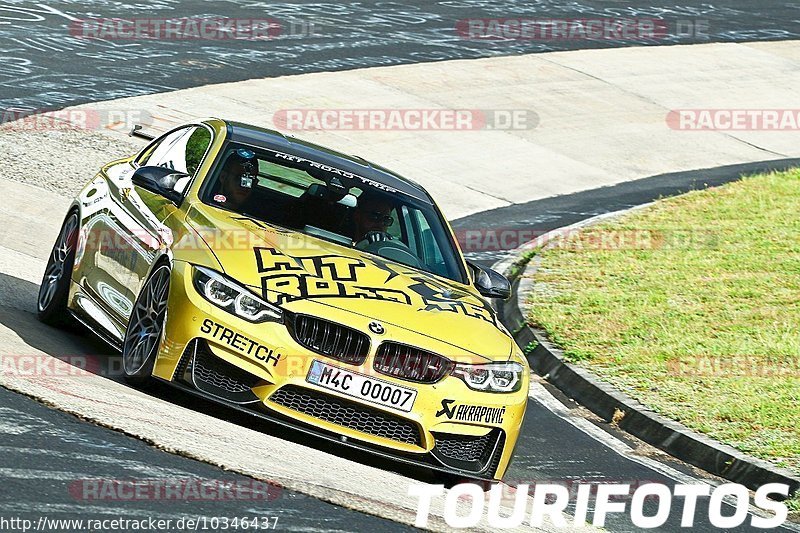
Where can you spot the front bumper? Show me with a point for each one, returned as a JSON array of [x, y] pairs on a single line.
[[262, 369]]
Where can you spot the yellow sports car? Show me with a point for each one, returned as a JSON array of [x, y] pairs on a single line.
[[298, 284]]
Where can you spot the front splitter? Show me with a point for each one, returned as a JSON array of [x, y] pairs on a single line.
[[330, 437]]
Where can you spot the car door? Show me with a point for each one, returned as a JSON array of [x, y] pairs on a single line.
[[135, 222], [183, 152]]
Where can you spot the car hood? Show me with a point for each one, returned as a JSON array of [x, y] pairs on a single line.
[[291, 269]]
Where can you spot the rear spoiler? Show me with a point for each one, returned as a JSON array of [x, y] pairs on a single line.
[[137, 131]]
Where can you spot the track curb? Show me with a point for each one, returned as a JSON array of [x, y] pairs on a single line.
[[548, 361]]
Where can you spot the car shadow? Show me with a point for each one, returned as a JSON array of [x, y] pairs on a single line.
[[18, 313], [78, 347]]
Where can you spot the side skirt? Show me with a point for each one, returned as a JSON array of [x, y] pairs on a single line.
[[97, 330]]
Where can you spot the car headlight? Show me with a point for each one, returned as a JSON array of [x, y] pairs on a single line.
[[233, 298], [491, 377]]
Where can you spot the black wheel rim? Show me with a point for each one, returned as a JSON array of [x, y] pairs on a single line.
[[57, 264], [146, 323]]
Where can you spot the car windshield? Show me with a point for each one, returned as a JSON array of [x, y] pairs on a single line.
[[324, 202]]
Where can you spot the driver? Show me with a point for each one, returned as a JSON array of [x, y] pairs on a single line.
[[372, 214], [236, 180]]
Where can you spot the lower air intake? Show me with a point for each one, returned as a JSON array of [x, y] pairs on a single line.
[[212, 375], [470, 453], [347, 414]]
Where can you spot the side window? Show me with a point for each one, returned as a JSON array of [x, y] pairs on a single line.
[[394, 230], [181, 150], [429, 248], [155, 156], [198, 141], [410, 230]]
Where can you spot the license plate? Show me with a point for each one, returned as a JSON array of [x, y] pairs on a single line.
[[360, 386]]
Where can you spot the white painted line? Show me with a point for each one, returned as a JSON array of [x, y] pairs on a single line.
[[543, 397], [539, 394]]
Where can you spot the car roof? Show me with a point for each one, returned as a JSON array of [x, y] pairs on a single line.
[[274, 140]]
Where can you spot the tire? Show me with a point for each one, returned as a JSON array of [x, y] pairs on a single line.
[[54, 290], [146, 327]]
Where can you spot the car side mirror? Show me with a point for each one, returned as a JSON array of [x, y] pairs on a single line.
[[161, 181], [490, 283]]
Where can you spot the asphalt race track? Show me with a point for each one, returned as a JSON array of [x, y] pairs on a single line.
[[45, 64], [69, 455], [42, 66]]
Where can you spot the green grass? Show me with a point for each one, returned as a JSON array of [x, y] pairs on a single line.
[[712, 277], [794, 505], [520, 263]]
